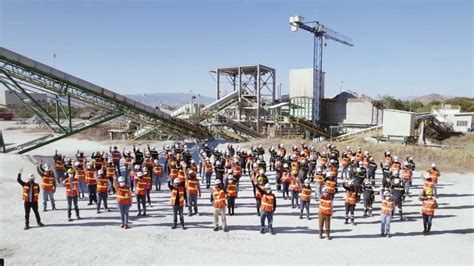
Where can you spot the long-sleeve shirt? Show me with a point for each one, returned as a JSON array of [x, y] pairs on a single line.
[[176, 202], [31, 184], [264, 192]]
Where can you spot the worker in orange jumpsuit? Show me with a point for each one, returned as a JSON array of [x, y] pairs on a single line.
[[31, 191], [218, 198], [429, 204], [268, 208]]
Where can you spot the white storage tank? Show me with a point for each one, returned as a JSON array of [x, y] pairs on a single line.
[[398, 123]]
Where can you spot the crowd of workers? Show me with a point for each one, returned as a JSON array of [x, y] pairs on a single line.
[[301, 174]]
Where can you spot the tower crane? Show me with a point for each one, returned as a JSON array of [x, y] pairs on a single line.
[[321, 34]]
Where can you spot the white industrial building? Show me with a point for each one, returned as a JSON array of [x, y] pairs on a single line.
[[398, 124], [304, 95], [454, 118], [9, 99]]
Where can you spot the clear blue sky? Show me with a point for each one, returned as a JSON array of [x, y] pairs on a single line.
[[402, 48]]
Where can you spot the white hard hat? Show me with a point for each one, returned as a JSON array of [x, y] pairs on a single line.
[[285, 165], [31, 177], [218, 162], [46, 166], [121, 179], [324, 189], [387, 194], [267, 186], [100, 172], [176, 181], [77, 163], [307, 181], [328, 174], [406, 164], [109, 160], [136, 167], [396, 181], [193, 161], [139, 174], [156, 161], [229, 171], [217, 182], [261, 172], [433, 165]]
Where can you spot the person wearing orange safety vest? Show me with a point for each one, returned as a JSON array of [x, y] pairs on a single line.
[[231, 189], [258, 195], [208, 172], [305, 197], [91, 183], [268, 208], [72, 192], [428, 207], [128, 165], [48, 184], [81, 178], [285, 181], [110, 174], [407, 174], [140, 193], [157, 174], [178, 200], [124, 200], [330, 182], [434, 174], [218, 198], [80, 157], [236, 170], [116, 157], [295, 188], [147, 178], [98, 159], [386, 212], [428, 184], [102, 187], [31, 191], [193, 189], [350, 200], [325, 213], [59, 166]]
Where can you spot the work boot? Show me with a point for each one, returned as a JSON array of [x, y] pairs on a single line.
[[382, 234], [320, 236], [347, 221], [226, 230], [262, 231], [122, 225], [352, 221], [370, 213], [90, 203], [98, 211], [307, 217], [182, 226], [126, 226], [388, 236], [301, 216], [41, 224], [45, 210], [328, 237], [139, 213], [54, 207], [174, 226], [144, 213], [216, 228], [69, 219], [429, 227], [271, 231], [27, 226]]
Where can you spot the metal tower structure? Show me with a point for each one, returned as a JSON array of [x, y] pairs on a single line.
[[250, 88], [320, 33]]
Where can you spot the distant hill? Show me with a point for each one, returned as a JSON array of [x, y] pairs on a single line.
[[425, 99], [174, 99]]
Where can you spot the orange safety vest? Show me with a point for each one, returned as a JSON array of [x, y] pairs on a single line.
[[177, 192], [147, 179], [71, 189], [434, 175], [319, 179], [208, 168], [428, 206], [181, 176], [102, 185], [192, 186], [366, 162], [305, 194], [58, 165], [350, 197], [90, 179], [128, 160], [406, 173], [231, 189], [268, 203], [325, 205], [236, 170], [81, 159], [428, 185], [387, 207], [306, 153], [173, 173], [388, 160], [294, 184], [331, 185], [158, 170], [140, 187], [395, 167], [218, 197], [295, 167], [98, 163], [285, 178], [116, 156], [332, 170], [123, 195], [26, 192], [149, 162], [110, 171], [258, 195], [48, 181], [80, 175]]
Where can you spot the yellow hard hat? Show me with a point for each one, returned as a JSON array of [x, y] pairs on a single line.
[[145, 169], [260, 179], [429, 192], [70, 171]]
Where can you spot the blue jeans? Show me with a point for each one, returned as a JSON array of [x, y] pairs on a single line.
[[406, 184], [59, 176], [83, 187], [294, 198], [208, 179], [269, 216], [123, 208], [70, 201], [192, 203], [385, 226], [304, 205], [178, 210], [48, 195]]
